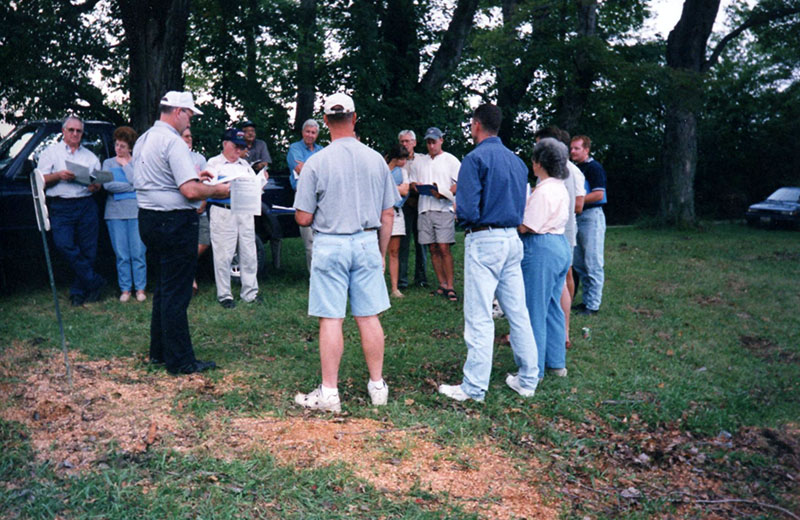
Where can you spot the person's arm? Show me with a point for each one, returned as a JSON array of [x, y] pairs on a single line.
[[594, 196], [403, 189], [196, 190], [47, 164], [304, 218], [385, 233], [116, 186], [579, 201], [468, 198]]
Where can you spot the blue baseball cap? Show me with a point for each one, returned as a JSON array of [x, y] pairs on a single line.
[[235, 136]]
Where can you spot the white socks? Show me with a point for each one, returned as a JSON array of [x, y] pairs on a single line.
[[329, 392], [376, 385]]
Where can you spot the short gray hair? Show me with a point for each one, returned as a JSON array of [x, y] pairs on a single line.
[[312, 123], [71, 116], [552, 155], [407, 132]]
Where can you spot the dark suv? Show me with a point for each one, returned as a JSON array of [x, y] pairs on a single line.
[[20, 240]]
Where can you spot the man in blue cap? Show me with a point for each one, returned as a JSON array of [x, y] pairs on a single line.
[[229, 229]]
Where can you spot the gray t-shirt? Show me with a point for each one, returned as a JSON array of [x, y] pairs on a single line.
[[258, 153], [345, 186], [161, 164]]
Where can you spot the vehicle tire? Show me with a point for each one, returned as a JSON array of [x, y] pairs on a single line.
[[261, 260]]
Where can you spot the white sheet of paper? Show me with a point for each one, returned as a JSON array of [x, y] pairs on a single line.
[[87, 176], [246, 195], [228, 172]]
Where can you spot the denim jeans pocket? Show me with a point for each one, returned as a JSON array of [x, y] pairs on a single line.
[[326, 257], [369, 255], [490, 253]]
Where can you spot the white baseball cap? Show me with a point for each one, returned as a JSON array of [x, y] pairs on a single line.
[[177, 99], [339, 104]]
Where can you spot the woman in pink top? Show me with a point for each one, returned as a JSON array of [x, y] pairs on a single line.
[[546, 259]]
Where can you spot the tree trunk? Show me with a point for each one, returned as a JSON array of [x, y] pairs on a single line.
[[449, 53], [306, 55], [571, 103], [686, 57], [155, 32]]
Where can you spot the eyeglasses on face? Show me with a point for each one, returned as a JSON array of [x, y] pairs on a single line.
[[74, 130]]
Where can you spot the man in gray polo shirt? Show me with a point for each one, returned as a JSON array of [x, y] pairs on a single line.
[[346, 193], [169, 191]]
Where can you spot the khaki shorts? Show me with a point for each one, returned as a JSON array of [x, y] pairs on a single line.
[[437, 227]]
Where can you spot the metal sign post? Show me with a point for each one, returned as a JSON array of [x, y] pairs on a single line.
[[42, 219]]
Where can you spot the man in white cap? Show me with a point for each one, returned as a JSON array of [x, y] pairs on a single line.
[[169, 191], [347, 195]]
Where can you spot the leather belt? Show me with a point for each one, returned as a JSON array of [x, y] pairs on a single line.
[[478, 228], [219, 204]]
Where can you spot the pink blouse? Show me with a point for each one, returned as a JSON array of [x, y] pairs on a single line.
[[547, 209]]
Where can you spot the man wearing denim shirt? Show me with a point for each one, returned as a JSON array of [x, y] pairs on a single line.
[[490, 203], [299, 152], [587, 260]]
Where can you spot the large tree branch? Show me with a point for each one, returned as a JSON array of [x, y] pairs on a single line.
[[449, 53], [755, 19]]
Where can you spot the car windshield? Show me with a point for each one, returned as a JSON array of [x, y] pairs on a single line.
[[786, 195], [13, 144]]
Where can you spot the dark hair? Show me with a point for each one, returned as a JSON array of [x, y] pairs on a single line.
[[126, 134], [165, 109], [339, 118], [397, 151], [554, 132], [552, 154], [587, 143], [489, 116]]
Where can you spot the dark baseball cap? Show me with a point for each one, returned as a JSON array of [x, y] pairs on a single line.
[[235, 136]]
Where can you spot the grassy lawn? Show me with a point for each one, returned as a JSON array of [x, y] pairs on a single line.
[[682, 402]]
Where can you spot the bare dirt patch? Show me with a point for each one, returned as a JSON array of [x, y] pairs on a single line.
[[114, 404], [767, 349]]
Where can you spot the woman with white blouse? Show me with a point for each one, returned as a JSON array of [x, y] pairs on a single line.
[[546, 253]]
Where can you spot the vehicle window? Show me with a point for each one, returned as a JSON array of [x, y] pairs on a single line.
[[786, 195], [13, 145], [44, 143], [93, 140]]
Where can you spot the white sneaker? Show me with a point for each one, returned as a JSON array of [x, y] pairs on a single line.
[[455, 392], [513, 382], [140, 296], [125, 296], [315, 401], [497, 311], [380, 395], [558, 372]]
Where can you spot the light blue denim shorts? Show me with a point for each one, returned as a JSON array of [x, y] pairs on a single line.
[[342, 266]]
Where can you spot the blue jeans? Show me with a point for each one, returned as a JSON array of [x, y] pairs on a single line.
[[75, 224], [130, 252], [171, 240], [421, 257], [588, 258], [544, 268], [492, 268], [342, 266]]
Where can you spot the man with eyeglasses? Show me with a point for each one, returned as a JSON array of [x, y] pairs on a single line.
[[169, 191], [228, 228], [408, 140], [73, 211]]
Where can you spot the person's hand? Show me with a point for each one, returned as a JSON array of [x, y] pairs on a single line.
[[299, 166], [64, 175], [93, 187], [202, 208], [436, 194], [205, 175]]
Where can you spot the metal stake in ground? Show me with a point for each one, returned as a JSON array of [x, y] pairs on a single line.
[[37, 189]]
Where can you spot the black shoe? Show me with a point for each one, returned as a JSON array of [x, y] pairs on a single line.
[[587, 312], [228, 303], [76, 300], [402, 285], [421, 283], [258, 300], [193, 367], [96, 294], [155, 361], [579, 307]]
